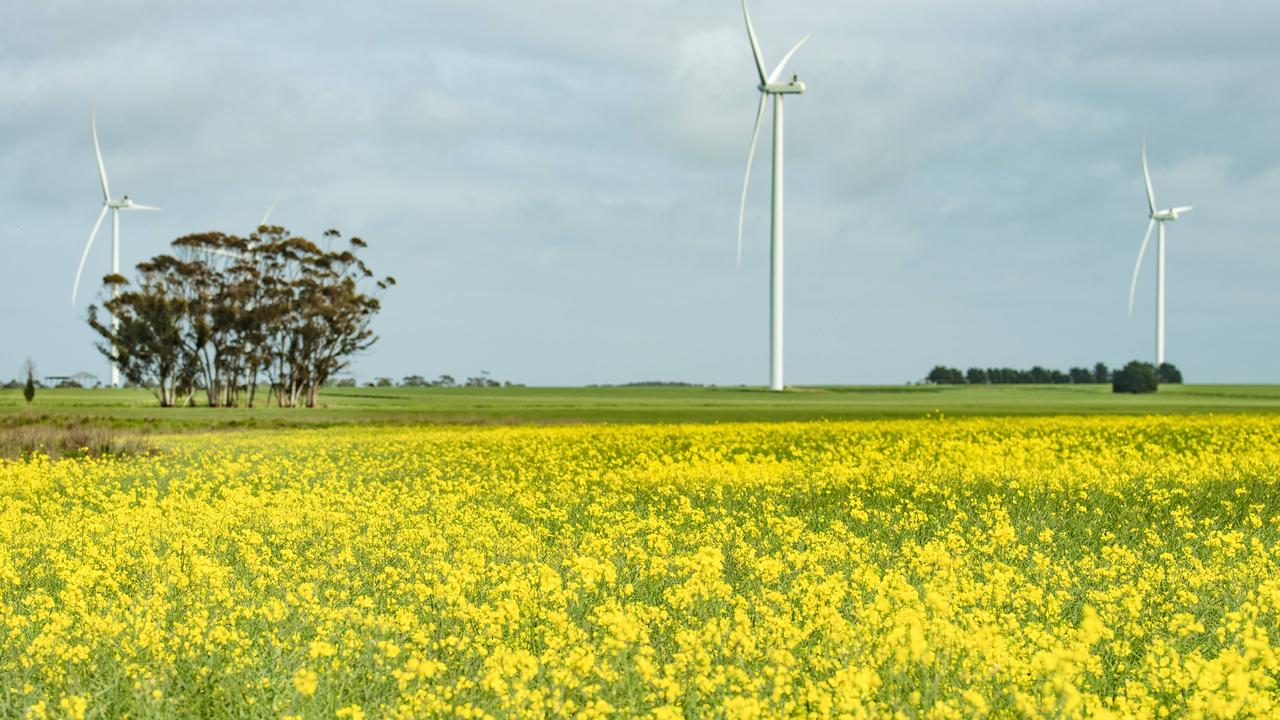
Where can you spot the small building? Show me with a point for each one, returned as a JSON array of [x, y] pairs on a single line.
[[82, 379]]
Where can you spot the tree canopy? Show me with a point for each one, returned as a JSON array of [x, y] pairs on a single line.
[[1136, 377], [1099, 374]]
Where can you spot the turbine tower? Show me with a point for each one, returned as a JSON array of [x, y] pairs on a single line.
[[770, 87], [115, 206], [1158, 217]]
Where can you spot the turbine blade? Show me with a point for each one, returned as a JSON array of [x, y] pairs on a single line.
[[1146, 175], [270, 210], [755, 44], [777, 72], [1133, 284], [102, 170], [136, 206], [746, 181], [1185, 208], [83, 256]]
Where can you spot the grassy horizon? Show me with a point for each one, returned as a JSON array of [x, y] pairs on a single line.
[[136, 408]]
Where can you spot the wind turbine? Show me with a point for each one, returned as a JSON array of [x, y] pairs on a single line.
[[115, 206], [770, 87], [1158, 217]]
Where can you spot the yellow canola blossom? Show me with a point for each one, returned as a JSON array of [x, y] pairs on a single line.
[[1014, 568]]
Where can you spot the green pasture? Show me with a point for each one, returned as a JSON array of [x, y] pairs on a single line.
[[138, 409]]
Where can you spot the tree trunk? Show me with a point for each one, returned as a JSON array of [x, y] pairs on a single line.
[[162, 392]]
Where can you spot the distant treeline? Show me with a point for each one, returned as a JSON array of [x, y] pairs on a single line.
[[65, 383], [1099, 375], [444, 381], [649, 383]]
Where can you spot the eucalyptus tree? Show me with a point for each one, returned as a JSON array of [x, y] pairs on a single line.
[[145, 335]]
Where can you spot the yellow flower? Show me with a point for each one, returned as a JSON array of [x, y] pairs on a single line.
[[352, 711], [320, 649], [74, 706], [305, 682]]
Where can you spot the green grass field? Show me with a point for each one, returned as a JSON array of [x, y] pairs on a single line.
[[137, 409]]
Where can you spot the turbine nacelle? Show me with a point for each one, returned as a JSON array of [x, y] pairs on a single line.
[[794, 87], [1170, 214], [125, 203]]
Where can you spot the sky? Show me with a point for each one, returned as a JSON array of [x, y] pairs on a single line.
[[555, 185]]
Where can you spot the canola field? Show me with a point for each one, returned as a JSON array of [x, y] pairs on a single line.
[[1008, 568]]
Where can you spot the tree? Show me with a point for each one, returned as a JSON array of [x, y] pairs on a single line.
[[1169, 374], [445, 381], [1101, 374], [29, 389], [1080, 376], [221, 282], [976, 376], [942, 375], [413, 381], [1136, 377], [333, 316], [146, 343]]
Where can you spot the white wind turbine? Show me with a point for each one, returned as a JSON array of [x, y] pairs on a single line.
[[1157, 217], [115, 206], [770, 87]]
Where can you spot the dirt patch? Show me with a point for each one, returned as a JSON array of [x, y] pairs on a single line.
[[69, 440]]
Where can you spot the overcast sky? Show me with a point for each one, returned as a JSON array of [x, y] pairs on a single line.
[[555, 184]]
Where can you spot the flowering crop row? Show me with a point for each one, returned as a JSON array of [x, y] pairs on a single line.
[[1074, 567]]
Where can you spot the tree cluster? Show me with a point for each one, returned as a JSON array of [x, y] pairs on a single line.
[[418, 381], [223, 314], [445, 381], [1100, 374]]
